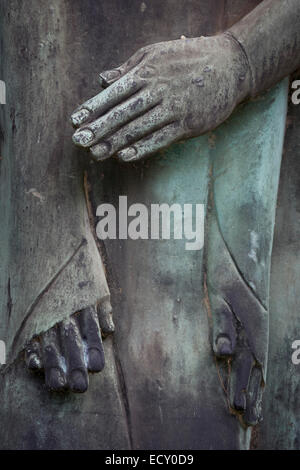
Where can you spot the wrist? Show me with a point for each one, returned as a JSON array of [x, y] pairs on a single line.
[[241, 70]]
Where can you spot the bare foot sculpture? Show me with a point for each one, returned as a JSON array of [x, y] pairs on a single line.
[[71, 349]]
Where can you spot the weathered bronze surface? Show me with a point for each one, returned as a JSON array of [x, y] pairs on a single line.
[[189, 355]]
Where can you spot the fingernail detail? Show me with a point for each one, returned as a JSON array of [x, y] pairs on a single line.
[[78, 381], [100, 152], [224, 347], [56, 379], [96, 360], [83, 137], [80, 117], [127, 154], [109, 76]]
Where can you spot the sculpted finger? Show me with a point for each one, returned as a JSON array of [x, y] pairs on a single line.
[[224, 328], [105, 100], [74, 354], [33, 357], [240, 374], [253, 413], [149, 145], [140, 127], [114, 119], [91, 334], [105, 318], [108, 77], [55, 377]]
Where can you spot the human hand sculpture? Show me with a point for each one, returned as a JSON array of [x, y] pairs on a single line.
[[181, 89], [71, 349], [164, 93]]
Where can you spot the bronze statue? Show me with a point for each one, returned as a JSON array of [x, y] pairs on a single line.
[[165, 93]]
